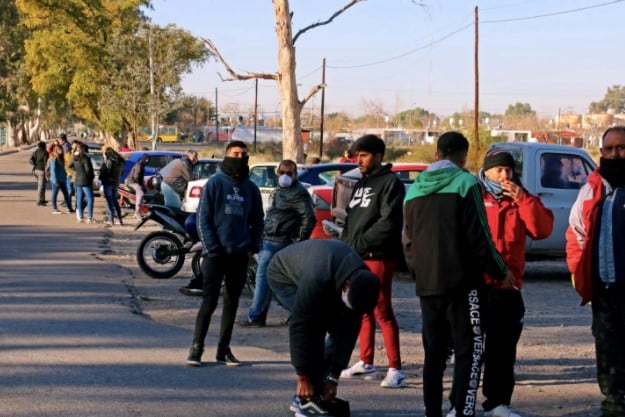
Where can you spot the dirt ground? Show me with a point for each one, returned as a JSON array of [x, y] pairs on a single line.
[[555, 367]]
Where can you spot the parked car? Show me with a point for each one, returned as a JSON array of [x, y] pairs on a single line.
[[322, 199], [555, 173], [344, 185], [202, 171], [158, 159]]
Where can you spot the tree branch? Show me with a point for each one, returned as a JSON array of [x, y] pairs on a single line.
[[325, 22], [311, 93], [233, 74]]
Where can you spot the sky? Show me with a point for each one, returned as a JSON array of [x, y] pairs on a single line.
[[556, 55]]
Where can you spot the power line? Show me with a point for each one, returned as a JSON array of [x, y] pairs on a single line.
[[539, 16]]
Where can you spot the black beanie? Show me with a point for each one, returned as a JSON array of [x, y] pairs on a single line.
[[364, 290], [369, 143], [498, 158]]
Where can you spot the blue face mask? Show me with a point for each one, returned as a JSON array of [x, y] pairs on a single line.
[[284, 181], [492, 187]]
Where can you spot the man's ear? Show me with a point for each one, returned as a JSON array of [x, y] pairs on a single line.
[[436, 156]]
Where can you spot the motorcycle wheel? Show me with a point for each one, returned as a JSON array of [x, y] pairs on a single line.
[[196, 265], [159, 255]]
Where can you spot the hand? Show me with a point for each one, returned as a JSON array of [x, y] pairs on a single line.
[[512, 190], [509, 282], [329, 390], [304, 388]]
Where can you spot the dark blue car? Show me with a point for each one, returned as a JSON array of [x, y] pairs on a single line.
[[321, 174], [158, 159]]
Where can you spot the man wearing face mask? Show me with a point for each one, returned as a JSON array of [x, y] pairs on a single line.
[[324, 298], [290, 219], [230, 225], [595, 254]]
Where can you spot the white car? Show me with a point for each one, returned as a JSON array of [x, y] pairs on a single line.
[[203, 170], [264, 175]]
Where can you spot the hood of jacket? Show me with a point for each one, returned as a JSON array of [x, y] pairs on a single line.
[[436, 178]]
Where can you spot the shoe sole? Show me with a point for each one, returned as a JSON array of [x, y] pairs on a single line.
[[191, 292], [400, 385], [229, 363], [194, 363], [369, 376]]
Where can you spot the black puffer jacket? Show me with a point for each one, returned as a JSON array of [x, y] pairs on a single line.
[[291, 217], [111, 169], [83, 171]]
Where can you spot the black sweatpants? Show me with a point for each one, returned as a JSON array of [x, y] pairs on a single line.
[[232, 268], [460, 315], [505, 311]]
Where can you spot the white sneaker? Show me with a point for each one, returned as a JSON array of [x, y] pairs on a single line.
[[395, 378], [501, 411], [358, 369], [451, 413]]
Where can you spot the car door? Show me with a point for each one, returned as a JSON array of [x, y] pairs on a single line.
[[558, 181], [265, 176]]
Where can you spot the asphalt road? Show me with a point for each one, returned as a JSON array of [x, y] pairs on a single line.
[[72, 345]]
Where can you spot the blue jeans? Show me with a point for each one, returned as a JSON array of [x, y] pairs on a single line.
[[172, 199], [70, 187], [56, 186], [112, 202], [88, 193], [262, 292]]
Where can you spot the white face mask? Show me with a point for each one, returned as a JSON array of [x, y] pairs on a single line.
[[345, 298], [76, 153], [284, 181]]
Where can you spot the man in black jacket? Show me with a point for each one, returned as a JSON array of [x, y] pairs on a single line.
[[448, 249], [290, 219], [326, 287], [373, 228], [39, 161]]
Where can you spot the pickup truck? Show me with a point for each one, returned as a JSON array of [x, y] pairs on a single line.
[[555, 173]]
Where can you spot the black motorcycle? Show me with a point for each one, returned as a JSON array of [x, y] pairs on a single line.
[[161, 254]]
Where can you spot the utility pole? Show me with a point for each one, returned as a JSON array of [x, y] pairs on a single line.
[[476, 115], [216, 116], [255, 111], [323, 96]]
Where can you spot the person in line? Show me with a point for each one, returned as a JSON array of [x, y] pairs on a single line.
[[176, 175], [135, 180], [512, 213], [69, 169], [39, 162], [83, 181], [348, 156], [230, 225], [291, 218], [595, 254], [58, 179], [62, 140], [323, 298], [373, 229], [110, 173], [448, 249]]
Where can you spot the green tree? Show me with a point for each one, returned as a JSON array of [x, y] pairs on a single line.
[[614, 99], [519, 109]]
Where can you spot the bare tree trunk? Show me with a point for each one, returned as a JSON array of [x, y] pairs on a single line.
[[287, 85]]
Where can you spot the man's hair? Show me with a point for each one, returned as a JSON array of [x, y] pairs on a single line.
[[192, 152], [369, 143], [236, 144], [289, 162], [620, 129], [452, 146]]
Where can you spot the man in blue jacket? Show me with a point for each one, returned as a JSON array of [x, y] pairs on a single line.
[[230, 225]]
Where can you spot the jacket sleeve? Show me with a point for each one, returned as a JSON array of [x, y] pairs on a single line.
[[576, 232], [255, 221], [537, 218], [478, 235], [304, 207], [390, 215], [206, 221]]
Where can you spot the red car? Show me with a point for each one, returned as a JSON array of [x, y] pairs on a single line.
[[322, 198], [342, 193]]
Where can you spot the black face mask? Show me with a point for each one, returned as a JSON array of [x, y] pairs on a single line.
[[235, 167], [613, 170]]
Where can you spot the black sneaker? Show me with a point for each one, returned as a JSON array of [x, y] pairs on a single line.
[[191, 292], [195, 355], [247, 323], [228, 359]]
